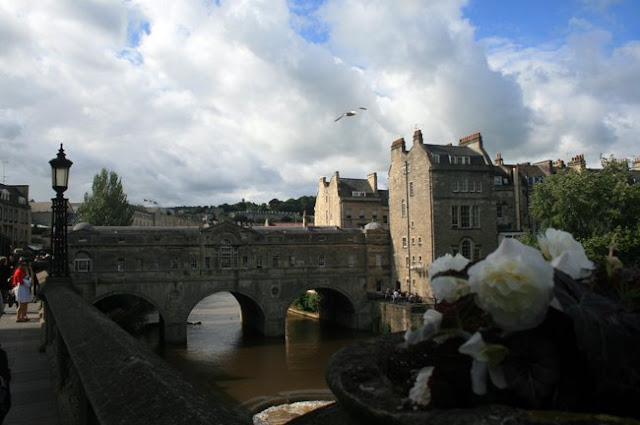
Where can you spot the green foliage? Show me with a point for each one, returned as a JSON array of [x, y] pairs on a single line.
[[107, 204], [309, 301], [599, 208]]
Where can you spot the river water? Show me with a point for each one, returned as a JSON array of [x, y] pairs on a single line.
[[236, 368]]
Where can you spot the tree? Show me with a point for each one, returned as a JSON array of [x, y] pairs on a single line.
[[599, 208], [107, 204]]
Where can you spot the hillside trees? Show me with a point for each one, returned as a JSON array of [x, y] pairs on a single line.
[[600, 208], [107, 204]]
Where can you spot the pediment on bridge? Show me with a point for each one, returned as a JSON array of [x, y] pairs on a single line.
[[229, 231]]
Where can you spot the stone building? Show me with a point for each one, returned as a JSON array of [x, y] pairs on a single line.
[[351, 203], [15, 217], [441, 201]]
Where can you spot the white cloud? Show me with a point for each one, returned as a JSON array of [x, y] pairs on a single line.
[[214, 103]]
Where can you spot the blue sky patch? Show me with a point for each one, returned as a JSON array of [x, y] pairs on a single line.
[[131, 55], [531, 23], [136, 28], [305, 22]]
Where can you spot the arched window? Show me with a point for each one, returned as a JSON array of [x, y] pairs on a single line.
[[466, 249], [228, 255], [82, 263]]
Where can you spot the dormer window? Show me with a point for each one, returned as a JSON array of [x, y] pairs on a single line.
[[4, 195], [22, 200], [464, 159], [358, 194]]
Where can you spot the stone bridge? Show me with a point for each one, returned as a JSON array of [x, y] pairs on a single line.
[[265, 268]]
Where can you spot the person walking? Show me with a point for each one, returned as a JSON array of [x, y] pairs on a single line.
[[22, 287]]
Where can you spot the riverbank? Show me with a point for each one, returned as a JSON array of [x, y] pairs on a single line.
[[313, 315]]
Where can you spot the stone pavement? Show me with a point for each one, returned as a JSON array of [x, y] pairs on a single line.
[[32, 396]]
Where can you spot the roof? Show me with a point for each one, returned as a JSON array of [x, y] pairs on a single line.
[[445, 151]]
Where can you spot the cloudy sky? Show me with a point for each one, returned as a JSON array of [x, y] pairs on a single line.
[[201, 102]]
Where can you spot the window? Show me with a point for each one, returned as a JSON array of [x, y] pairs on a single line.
[[497, 180], [175, 265], [454, 216], [436, 158], [245, 262], [120, 264], [499, 211], [407, 168], [352, 260], [406, 260], [258, 261], [465, 249], [468, 249], [410, 188], [361, 213], [193, 263], [275, 261], [292, 261], [464, 216], [207, 262], [378, 260], [348, 212], [475, 216], [412, 224], [455, 186], [404, 242], [419, 240], [374, 214], [228, 255], [404, 209], [321, 260], [385, 219], [358, 194], [413, 241], [82, 265], [464, 185]]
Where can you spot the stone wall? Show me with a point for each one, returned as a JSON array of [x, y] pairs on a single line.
[[98, 369], [397, 317]]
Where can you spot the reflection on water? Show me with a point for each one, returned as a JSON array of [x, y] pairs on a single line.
[[236, 368]]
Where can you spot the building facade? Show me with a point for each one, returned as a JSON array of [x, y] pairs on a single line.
[[15, 217], [440, 201], [351, 203]]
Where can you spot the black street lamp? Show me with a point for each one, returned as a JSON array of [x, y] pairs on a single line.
[[60, 166]]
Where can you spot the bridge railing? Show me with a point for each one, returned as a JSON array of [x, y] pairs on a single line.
[[104, 376]]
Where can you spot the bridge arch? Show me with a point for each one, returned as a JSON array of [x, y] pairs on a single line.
[[252, 314], [336, 306], [99, 301]]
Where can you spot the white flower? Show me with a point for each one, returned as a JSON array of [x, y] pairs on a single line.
[[484, 356], [448, 288], [420, 392], [565, 253], [514, 284], [431, 326]]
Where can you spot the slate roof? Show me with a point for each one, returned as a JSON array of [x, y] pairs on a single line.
[[445, 150]]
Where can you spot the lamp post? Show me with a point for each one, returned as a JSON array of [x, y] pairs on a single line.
[[60, 166]]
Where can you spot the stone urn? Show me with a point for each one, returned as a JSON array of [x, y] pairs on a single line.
[[368, 382]]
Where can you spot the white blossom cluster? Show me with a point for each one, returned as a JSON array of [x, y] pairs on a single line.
[[514, 285]]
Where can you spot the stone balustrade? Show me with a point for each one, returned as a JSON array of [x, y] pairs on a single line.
[[104, 376]]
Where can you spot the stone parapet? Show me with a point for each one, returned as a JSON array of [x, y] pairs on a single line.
[[104, 376]]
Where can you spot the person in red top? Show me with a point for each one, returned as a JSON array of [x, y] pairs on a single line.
[[22, 287]]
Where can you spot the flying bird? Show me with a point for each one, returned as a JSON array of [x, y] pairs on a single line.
[[349, 113]]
